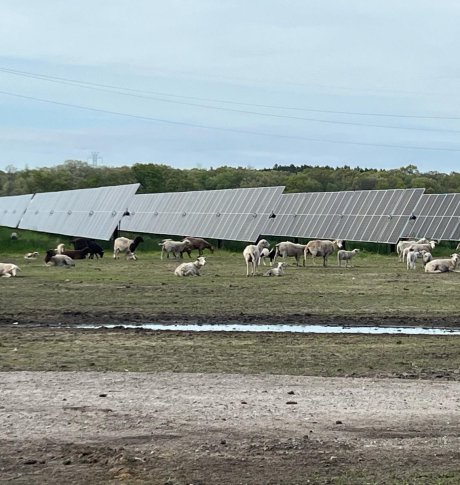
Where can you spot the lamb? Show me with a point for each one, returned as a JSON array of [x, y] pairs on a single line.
[[288, 248], [8, 269], [426, 257], [278, 271], [94, 248], [442, 265], [268, 253], [125, 245], [53, 259], [251, 255], [190, 269], [322, 248], [346, 256], [169, 246], [33, 255], [412, 259], [197, 243]]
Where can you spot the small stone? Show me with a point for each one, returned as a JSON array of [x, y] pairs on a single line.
[[30, 461], [291, 402], [103, 395], [338, 422], [291, 392]]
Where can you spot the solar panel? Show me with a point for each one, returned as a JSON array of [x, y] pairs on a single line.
[[367, 215], [12, 208], [437, 216], [93, 213], [231, 214]]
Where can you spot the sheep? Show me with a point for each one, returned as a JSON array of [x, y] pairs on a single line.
[[278, 271], [125, 245], [8, 269], [190, 269], [346, 256], [419, 247], [251, 255], [288, 248], [402, 245], [60, 248], [94, 248], [73, 253], [14, 236], [33, 255], [268, 253], [197, 243], [412, 259], [169, 246], [322, 248], [53, 259], [442, 265], [426, 257]]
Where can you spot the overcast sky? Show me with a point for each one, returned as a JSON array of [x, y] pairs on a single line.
[[239, 83]]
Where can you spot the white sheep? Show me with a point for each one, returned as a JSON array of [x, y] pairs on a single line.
[[8, 269], [33, 255], [402, 245], [125, 245], [176, 248], [442, 265], [60, 248], [346, 256], [411, 259], [419, 247], [288, 248], [322, 248], [251, 255], [426, 257], [59, 260], [190, 269], [278, 271]]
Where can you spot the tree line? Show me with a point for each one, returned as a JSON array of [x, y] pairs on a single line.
[[156, 178]]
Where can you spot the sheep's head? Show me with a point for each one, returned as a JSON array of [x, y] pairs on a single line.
[[282, 265], [201, 261], [356, 251], [339, 243], [263, 243], [432, 244]]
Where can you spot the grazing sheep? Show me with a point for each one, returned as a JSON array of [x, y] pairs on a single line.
[[190, 269], [197, 243], [94, 248], [125, 245], [251, 255], [322, 248], [411, 259], [442, 265], [288, 248], [8, 269], [169, 246], [346, 256], [33, 255], [268, 253], [52, 259], [278, 271]]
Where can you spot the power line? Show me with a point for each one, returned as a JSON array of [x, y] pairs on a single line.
[[232, 130], [148, 95]]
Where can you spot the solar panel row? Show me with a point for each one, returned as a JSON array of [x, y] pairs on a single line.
[[239, 214]]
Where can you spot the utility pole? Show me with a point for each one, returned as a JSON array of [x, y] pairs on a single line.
[[95, 158]]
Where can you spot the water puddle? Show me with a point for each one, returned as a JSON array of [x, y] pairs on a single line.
[[223, 327]]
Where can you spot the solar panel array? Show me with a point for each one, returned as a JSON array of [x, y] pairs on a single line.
[[368, 215], [93, 213], [231, 214], [12, 208], [437, 216]]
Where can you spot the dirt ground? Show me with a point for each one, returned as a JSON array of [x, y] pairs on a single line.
[[166, 428]]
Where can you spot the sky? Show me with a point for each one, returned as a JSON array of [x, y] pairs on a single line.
[[251, 84]]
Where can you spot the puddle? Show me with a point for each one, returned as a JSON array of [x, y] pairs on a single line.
[[285, 328]]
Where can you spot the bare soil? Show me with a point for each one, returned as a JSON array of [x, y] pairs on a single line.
[[166, 428]]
